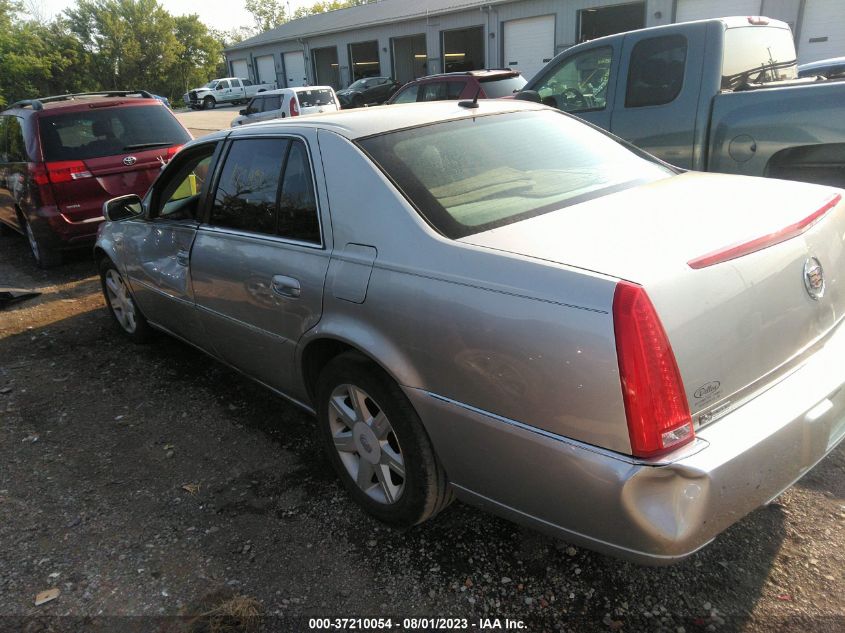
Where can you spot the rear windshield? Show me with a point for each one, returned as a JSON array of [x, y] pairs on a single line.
[[309, 98], [758, 54], [475, 174], [108, 131], [505, 87]]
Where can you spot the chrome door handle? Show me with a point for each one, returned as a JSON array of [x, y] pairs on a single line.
[[286, 286], [182, 257]]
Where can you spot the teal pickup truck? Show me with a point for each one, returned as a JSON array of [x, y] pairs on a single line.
[[715, 95]]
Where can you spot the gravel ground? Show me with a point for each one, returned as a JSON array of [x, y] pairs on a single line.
[[150, 481]]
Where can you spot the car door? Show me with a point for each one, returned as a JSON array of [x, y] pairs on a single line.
[[157, 247], [259, 260], [223, 90], [657, 109], [581, 84]]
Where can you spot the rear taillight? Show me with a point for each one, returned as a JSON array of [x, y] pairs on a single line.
[[758, 20], [171, 152], [655, 402], [67, 171], [39, 176], [765, 241], [294, 108]]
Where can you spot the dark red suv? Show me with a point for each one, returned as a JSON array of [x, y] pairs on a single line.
[[62, 157], [487, 84]]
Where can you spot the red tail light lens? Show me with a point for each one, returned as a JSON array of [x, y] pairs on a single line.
[[171, 152], [758, 244], [655, 402], [67, 171], [39, 175], [294, 107]]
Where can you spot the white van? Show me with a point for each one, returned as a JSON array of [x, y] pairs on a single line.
[[285, 102]]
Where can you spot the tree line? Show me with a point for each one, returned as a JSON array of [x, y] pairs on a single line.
[[122, 45]]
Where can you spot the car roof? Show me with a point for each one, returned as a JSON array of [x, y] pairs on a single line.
[[283, 91], [822, 63], [78, 102], [362, 122], [478, 74]]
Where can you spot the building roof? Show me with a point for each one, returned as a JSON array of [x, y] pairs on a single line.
[[362, 122], [374, 13]]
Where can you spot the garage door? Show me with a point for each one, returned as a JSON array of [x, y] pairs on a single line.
[[822, 31], [295, 69], [266, 69], [529, 44], [703, 9], [240, 69]]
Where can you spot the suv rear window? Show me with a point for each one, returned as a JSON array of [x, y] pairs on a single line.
[[108, 131], [309, 98], [475, 174], [497, 87]]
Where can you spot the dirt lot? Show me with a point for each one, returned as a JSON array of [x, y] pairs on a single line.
[[151, 481]]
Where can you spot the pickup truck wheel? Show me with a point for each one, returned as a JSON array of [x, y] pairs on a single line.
[[45, 257], [121, 304], [208, 103], [377, 443]]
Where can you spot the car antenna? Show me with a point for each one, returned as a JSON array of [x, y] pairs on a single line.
[[473, 103]]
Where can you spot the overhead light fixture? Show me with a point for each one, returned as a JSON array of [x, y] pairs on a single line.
[[419, 56], [455, 55]]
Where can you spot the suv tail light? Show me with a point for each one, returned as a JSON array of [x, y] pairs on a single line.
[[656, 405], [294, 107], [67, 171], [171, 152], [38, 174]]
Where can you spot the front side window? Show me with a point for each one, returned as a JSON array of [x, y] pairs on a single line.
[[15, 144], [475, 174], [408, 95], [434, 91], [579, 84], [222, 85], [178, 191], [272, 103], [246, 193], [656, 72]]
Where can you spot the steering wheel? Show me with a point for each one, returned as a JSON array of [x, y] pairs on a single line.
[[573, 98]]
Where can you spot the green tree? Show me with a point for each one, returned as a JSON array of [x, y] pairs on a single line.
[[199, 57], [268, 14], [324, 6]]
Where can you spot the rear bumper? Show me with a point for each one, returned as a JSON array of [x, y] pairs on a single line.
[[653, 513], [59, 231]]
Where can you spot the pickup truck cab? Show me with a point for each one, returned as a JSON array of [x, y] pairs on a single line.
[[713, 95], [226, 90]]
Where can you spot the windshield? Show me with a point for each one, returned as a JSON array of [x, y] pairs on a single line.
[[475, 174], [211, 84], [758, 54], [358, 85], [109, 131], [504, 87]]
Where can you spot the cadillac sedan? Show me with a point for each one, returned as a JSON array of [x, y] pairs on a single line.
[[497, 302]]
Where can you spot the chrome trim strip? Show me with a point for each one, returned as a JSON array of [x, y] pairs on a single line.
[[292, 400], [259, 236], [96, 218], [696, 446]]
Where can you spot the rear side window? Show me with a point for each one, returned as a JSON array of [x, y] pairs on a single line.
[[505, 87], [656, 73], [297, 205], [310, 98], [246, 193], [441, 90], [108, 131], [12, 144]]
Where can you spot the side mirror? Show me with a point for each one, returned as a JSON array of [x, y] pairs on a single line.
[[242, 112], [528, 95], [122, 208]]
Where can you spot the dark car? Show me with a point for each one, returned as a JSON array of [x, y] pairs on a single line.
[[62, 157], [487, 84], [368, 91]]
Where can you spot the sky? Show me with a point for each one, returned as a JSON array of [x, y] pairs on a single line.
[[220, 14]]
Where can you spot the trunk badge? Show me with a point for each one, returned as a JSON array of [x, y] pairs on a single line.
[[129, 161], [814, 278]]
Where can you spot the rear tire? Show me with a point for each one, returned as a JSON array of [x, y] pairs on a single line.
[[208, 103], [377, 443], [121, 304], [44, 256]]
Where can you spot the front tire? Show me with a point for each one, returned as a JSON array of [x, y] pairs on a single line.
[[44, 256], [208, 103], [121, 304], [377, 443]]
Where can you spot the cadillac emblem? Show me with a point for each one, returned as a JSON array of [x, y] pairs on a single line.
[[814, 278], [129, 161]]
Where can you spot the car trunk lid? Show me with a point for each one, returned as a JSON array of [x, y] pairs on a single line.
[[737, 324]]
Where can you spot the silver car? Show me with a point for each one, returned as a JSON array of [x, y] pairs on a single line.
[[498, 302]]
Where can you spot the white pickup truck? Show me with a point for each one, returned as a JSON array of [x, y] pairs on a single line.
[[226, 90]]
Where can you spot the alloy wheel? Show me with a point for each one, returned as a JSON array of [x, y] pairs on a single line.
[[367, 444], [120, 301]]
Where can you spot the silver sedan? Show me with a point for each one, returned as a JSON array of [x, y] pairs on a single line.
[[497, 302]]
